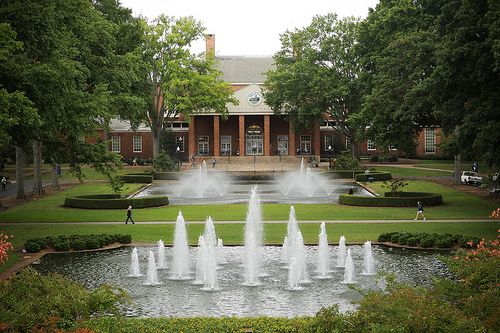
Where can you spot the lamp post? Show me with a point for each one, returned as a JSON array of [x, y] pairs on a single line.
[[178, 150], [329, 157]]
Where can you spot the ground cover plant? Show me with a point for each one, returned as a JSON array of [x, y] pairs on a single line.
[[74, 242]]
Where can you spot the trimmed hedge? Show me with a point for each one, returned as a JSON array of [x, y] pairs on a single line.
[[166, 175], [404, 199], [377, 176], [140, 178], [75, 242], [340, 174], [111, 201], [426, 240]]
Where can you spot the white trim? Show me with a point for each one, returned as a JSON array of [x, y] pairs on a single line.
[[117, 142], [370, 143], [431, 140], [134, 143]]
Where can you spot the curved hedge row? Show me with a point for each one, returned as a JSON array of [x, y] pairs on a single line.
[[377, 176], [112, 201], [166, 175], [140, 178], [426, 240], [75, 242], [340, 174], [404, 199]]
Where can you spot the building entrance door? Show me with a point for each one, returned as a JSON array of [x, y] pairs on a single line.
[[282, 144], [254, 143]]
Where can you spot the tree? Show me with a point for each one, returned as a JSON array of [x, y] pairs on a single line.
[[180, 81], [317, 74], [464, 84], [396, 49]]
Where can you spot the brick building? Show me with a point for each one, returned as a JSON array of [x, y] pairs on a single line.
[[251, 128]]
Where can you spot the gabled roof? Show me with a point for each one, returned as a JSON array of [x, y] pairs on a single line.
[[244, 69]]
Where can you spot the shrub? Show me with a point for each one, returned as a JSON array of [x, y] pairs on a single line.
[[346, 162], [137, 178], [31, 302], [111, 201], [163, 163], [374, 158], [5, 247], [413, 241], [376, 176], [395, 186], [75, 242]]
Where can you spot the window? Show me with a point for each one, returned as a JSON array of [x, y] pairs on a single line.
[[115, 144], [179, 141], [347, 143], [392, 147], [225, 145], [430, 141], [305, 144], [137, 144], [203, 149], [282, 145], [371, 145], [328, 142]]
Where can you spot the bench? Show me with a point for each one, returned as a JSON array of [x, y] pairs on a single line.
[[495, 191]]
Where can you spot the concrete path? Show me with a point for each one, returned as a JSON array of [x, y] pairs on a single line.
[[11, 188], [243, 222]]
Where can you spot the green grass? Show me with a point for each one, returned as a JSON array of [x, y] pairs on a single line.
[[457, 205], [232, 234], [412, 172]]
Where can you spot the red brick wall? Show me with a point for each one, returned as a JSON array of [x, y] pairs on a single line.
[[126, 144], [205, 127]]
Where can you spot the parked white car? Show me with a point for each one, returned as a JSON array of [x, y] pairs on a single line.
[[471, 178]]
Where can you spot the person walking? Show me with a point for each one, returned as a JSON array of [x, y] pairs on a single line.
[[129, 215], [213, 162], [420, 211], [4, 183]]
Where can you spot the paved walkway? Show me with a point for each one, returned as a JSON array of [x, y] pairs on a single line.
[[243, 222]]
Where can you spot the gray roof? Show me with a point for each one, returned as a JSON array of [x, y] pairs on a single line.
[[244, 69]]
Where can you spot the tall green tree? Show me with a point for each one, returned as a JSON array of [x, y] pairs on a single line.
[[317, 74], [465, 84], [396, 48], [181, 82]]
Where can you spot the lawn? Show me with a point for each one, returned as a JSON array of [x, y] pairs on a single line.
[[413, 172], [457, 205]]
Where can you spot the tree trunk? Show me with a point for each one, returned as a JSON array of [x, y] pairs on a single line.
[[457, 169], [19, 173], [353, 148], [55, 177], [37, 168], [156, 144]]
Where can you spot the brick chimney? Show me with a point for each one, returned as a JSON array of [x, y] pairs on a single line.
[[210, 44]]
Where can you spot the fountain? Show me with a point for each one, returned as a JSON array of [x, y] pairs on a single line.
[[253, 241], [294, 275], [294, 254], [206, 264], [152, 276], [304, 183], [202, 184], [180, 263], [292, 228], [349, 269], [209, 232], [323, 254], [134, 264], [368, 262], [220, 252], [341, 252], [162, 263]]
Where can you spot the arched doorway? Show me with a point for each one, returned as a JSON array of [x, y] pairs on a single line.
[[254, 143]]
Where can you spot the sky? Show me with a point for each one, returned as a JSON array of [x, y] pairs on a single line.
[[248, 27]]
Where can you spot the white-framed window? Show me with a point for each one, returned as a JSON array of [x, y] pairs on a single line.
[[305, 144], [179, 141], [282, 144], [115, 144], [328, 142], [347, 143], [392, 147], [225, 144], [370, 145], [430, 140], [137, 144], [203, 146]]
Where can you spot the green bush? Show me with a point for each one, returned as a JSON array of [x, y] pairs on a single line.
[[377, 176], [341, 174], [75, 242], [404, 199], [426, 240], [163, 163], [105, 201], [413, 241], [31, 302], [346, 162], [137, 178]]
